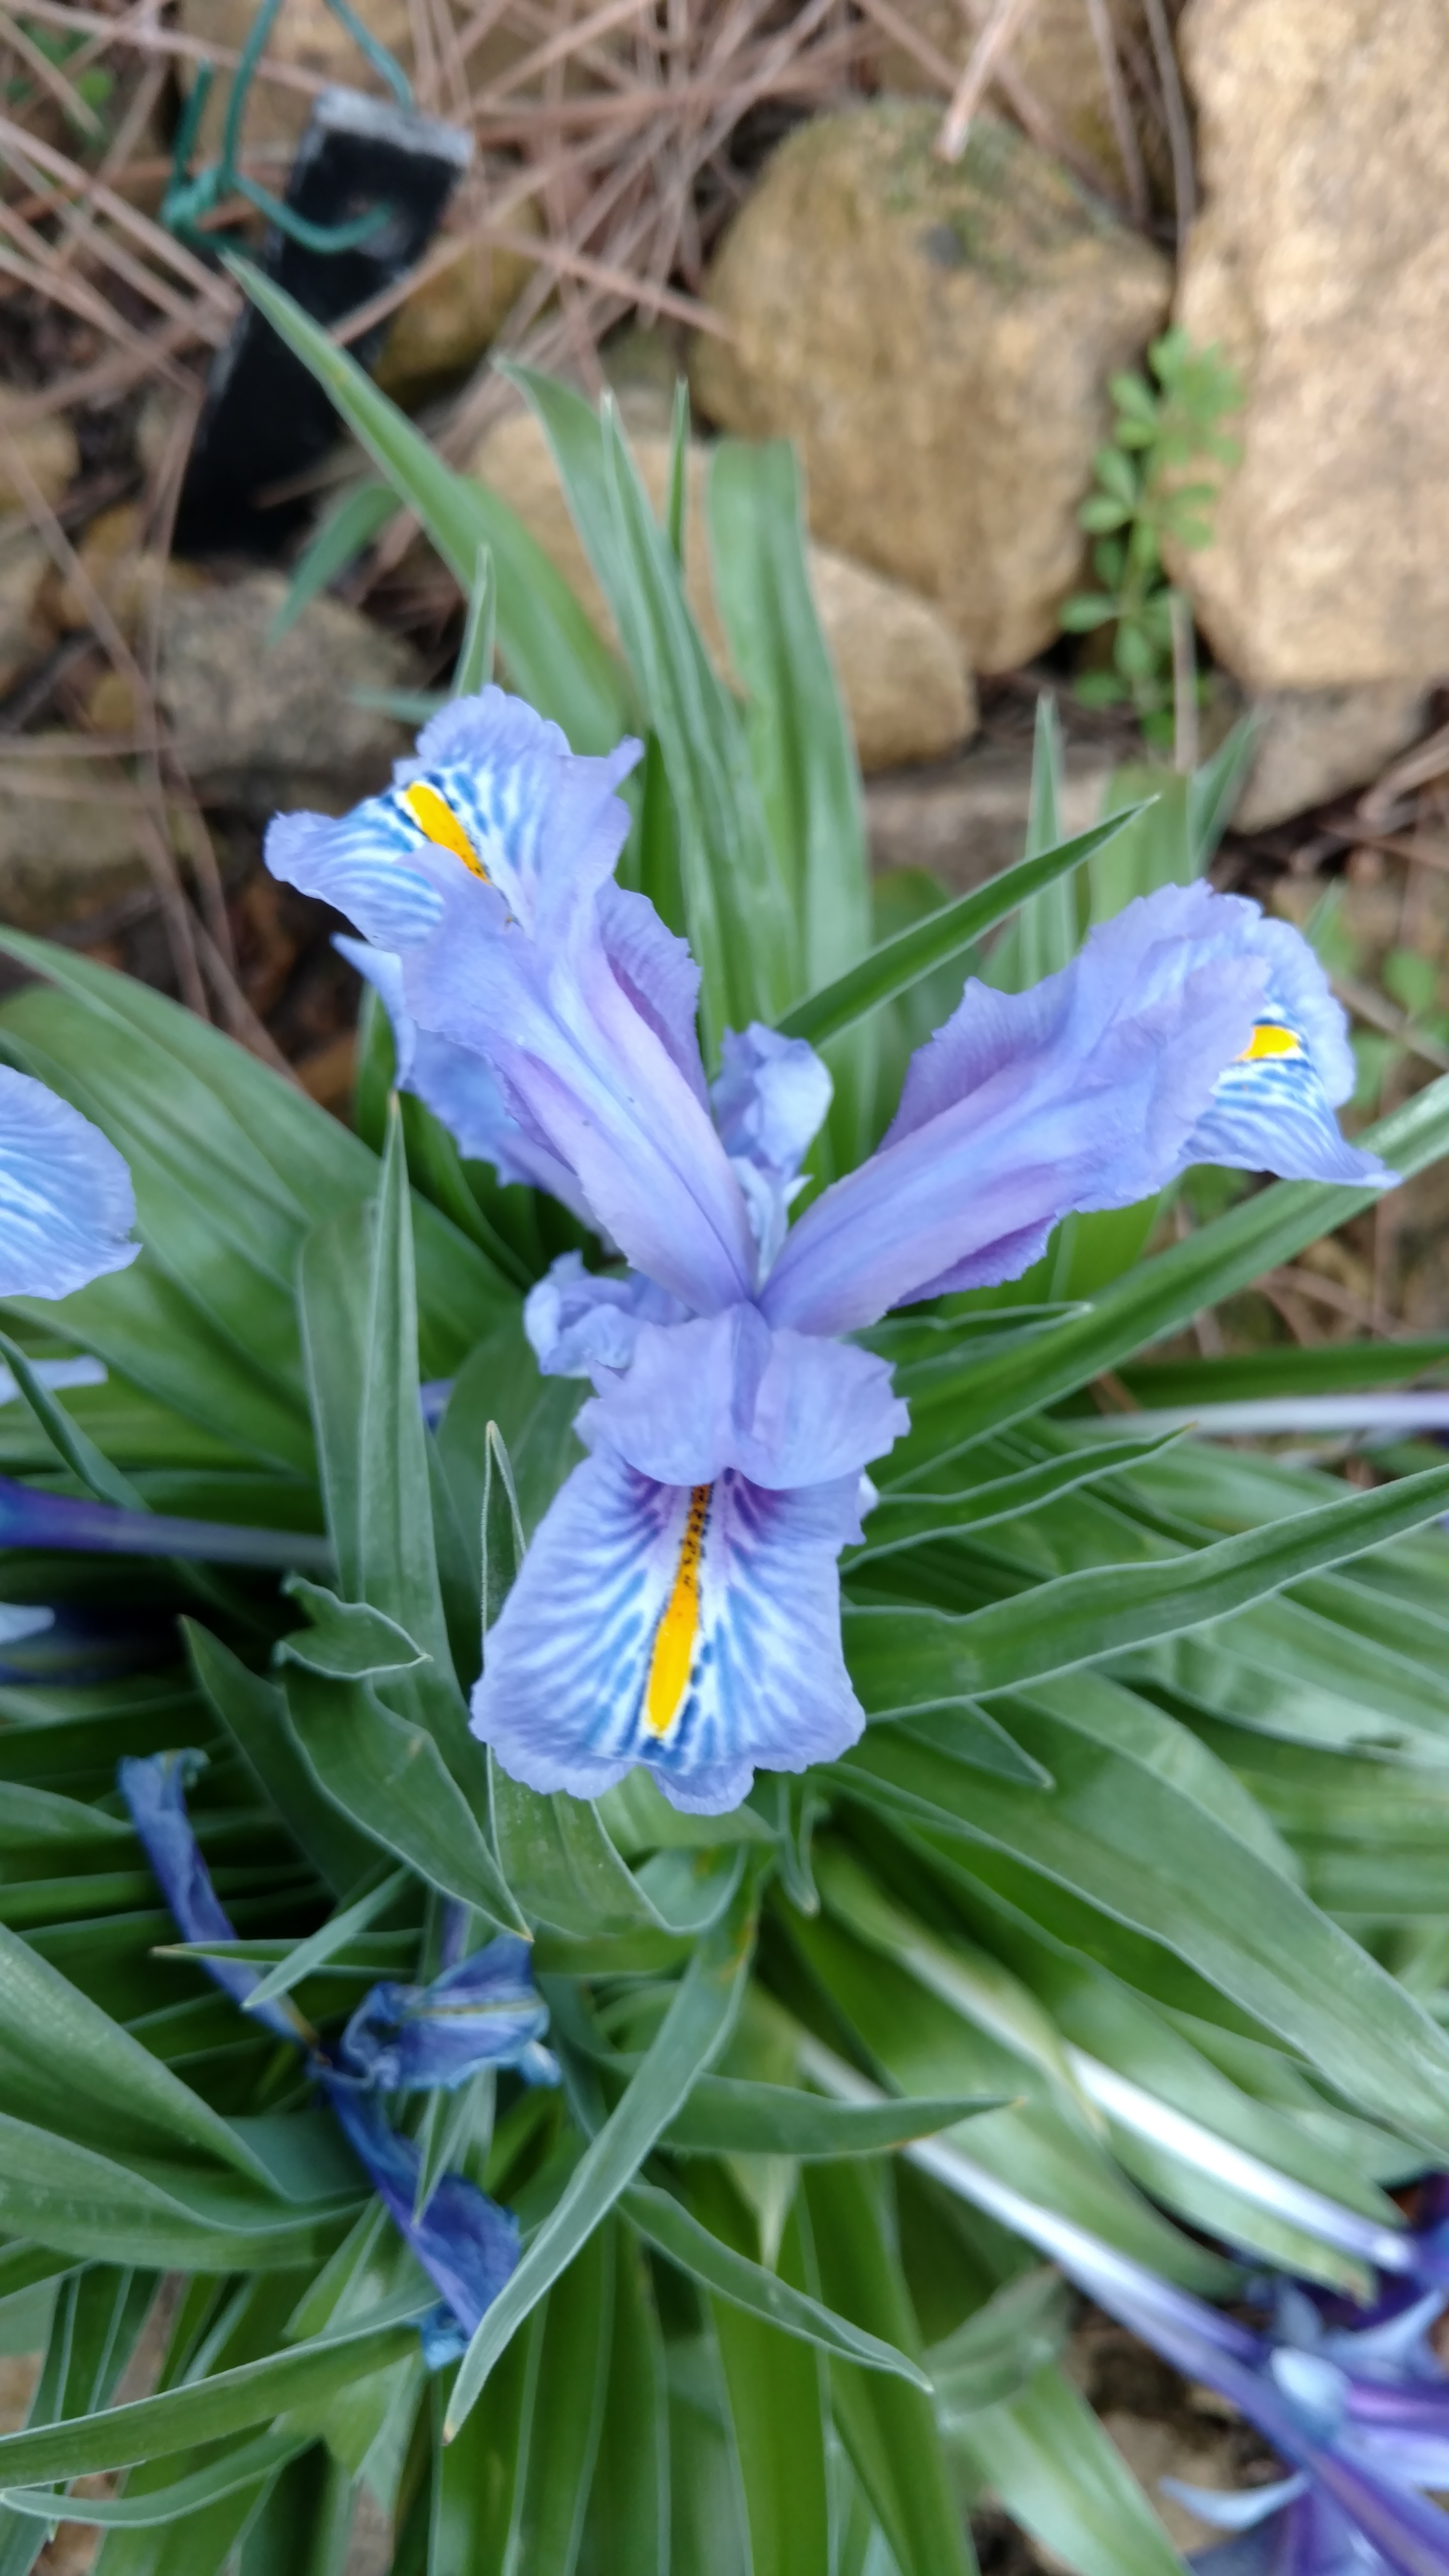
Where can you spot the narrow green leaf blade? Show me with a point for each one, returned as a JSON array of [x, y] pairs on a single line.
[[664, 2222], [726, 2116], [181, 2418], [902, 1659], [942, 937], [390, 1778], [695, 2028], [556, 660]]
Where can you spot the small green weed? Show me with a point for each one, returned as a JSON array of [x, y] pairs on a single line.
[[83, 97], [1166, 423]]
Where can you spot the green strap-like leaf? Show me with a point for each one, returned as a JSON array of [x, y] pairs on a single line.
[[243, 2467], [738, 916], [665, 2223], [1045, 2455], [887, 2425], [902, 1659], [694, 2029], [909, 1519], [389, 1776], [182, 2418], [556, 660], [629, 2504], [47, 2024], [726, 2116], [326, 1943], [254, 1713], [342, 534], [942, 937], [799, 739], [347, 1640]]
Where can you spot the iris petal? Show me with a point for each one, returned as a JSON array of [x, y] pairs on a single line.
[[465, 2243], [1089, 1091], [578, 1322], [457, 1085], [484, 2011], [565, 1699], [154, 1787], [66, 1203]]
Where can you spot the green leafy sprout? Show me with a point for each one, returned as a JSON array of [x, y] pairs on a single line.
[[1167, 423]]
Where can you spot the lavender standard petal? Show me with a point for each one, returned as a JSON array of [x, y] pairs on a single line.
[[785, 1409], [458, 1086], [66, 1202]]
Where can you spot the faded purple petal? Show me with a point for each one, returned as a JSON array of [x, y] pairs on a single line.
[[154, 1787], [483, 2011], [465, 2243]]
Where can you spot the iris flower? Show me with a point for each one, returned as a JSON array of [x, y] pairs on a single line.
[[482, 2012], [679, 1606]]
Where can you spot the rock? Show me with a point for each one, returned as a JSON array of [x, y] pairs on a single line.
[[1315, 743], [1055, 53], [46, 450], [307, 37], [68, 839], [1321, 267], [445, 325], [902, 675], [271, 720], [937, 339], [25, 630], [128, 577], [965, 820]]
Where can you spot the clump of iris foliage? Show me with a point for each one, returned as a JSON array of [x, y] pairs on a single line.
[[691, 2181]]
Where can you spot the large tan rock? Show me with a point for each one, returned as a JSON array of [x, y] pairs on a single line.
[[443, 327], [938, 340], [902, 674], [1321, 266], [25, 629], [42, 452], [1055, 52], [1313, 744], [125, 574], [270, 719], [70, 840]]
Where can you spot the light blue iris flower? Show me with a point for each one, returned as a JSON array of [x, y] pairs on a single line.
[[482, 2012], [679, 1606]]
